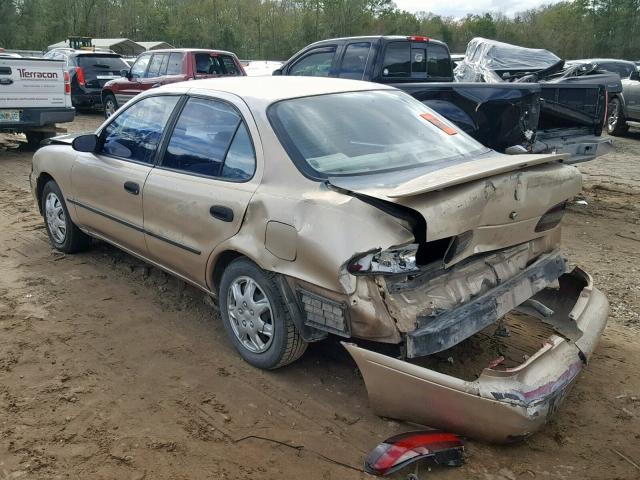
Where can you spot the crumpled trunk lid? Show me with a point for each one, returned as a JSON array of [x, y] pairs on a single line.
[[496, 200]]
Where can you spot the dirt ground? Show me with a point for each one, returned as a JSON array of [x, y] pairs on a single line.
[[110, 369]]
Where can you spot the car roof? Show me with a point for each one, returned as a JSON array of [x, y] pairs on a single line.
[[377, 37], [601, 60], [194, 50], [257, 91]]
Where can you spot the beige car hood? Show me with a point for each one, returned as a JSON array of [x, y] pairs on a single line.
[[498, 198]]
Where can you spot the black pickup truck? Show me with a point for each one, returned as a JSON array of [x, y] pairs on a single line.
[[561, 117], [624, 106]]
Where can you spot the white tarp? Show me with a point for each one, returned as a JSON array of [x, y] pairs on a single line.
[[484, 57]]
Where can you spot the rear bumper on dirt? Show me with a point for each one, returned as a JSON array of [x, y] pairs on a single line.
[[501, 405]]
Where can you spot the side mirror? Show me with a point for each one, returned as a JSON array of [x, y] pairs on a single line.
[[125, 73], [635, 75], [277, 71], [85, 143]]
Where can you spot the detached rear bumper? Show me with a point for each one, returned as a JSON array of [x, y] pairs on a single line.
[[501, 405]]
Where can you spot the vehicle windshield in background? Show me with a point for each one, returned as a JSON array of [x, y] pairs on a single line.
[[375, 131], [101, 62], [622, 69]]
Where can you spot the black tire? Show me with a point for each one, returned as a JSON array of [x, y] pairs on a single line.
[[34, 139], [616, 121], [75, 240], [110, 104], [286, 344]]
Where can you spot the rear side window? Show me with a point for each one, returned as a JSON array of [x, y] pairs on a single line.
[[397, 60], [622, 69], [138, 69], [154, 66], [315, 64], [438, 61], [210, 139], [175, 64], [135, 133], [354, 60], [213, 64]]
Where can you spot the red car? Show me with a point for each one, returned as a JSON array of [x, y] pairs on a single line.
[[159, 67]]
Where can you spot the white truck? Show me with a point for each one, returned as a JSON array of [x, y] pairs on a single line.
[[35, 95]]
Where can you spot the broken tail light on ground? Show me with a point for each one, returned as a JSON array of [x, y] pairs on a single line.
[[399, 451]]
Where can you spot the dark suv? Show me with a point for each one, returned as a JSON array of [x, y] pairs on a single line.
[[88, 72], [160, 67]]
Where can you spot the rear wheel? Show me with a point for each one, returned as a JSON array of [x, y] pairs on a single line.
[[35, 137], [256, 318], [110, 105], [64, 235], [616, 121]]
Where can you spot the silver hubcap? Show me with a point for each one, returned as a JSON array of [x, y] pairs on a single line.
[[613, 116], [250, 314], [56, 219], [109, 108]]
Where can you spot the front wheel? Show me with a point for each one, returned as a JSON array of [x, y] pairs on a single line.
[[110, 105], [63, 233], [616, 121], [256, 318]]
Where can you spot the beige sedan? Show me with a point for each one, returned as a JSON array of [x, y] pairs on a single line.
[[314, 206]]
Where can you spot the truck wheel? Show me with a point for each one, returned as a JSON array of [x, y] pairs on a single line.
[[110, 105], [64, 235], [255, 317], [616, 121], [34, 139]]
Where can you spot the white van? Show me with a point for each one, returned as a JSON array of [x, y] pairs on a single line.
[[34, 95]]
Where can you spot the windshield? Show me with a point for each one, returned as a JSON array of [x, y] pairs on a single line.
[[622, 69], [366, 132], [101, 62]]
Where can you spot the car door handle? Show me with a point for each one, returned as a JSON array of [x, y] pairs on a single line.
[[132, 187], [221, 213]]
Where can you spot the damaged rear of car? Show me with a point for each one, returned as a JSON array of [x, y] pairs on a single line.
[[475, 241]]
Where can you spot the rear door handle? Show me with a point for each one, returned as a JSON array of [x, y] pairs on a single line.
[[132, 187], [221, 213]]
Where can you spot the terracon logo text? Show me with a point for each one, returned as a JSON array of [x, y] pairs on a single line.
[[25, 74]]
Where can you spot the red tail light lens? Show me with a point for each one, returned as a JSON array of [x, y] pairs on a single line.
[[551, 218], [80, 76], [67, 85], [418, 38], [397, 452]]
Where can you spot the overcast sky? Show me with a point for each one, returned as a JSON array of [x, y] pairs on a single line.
[[459, 8]]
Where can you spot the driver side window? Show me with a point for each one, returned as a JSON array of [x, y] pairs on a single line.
[[138, 68], [314, 64], [135, 133]]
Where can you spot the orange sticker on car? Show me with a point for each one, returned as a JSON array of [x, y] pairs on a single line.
[[433, 120]]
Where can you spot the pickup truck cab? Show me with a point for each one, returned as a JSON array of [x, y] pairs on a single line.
[[34, 95], [381, 59], [161, 67]]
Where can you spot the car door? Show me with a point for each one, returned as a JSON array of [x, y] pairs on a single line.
[[197, 195], [107, 185], [155, 72], [127, 88], [631, 88]]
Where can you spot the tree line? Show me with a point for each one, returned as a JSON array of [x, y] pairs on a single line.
[[275, 29]]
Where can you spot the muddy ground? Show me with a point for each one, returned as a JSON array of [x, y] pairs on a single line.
[[110, 369]]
